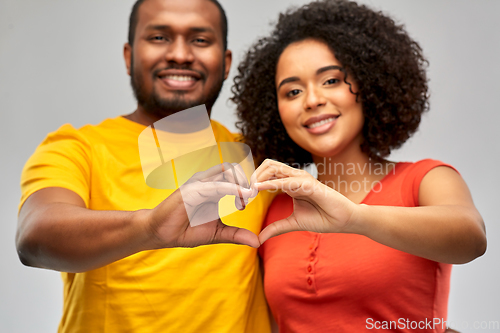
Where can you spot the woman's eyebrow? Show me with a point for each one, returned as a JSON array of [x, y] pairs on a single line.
[[288, 80], [319, 71], [328, 68]]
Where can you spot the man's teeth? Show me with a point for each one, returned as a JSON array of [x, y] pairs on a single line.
[[322, 122], [180, 77]]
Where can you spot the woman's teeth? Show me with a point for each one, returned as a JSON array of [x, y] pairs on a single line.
[[322, 122]]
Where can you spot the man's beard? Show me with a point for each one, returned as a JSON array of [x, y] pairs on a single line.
[[162, 107]]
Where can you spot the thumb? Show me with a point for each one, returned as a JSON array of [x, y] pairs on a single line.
[[279, 227], [234, 235]]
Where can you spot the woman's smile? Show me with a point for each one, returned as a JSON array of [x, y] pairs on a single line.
[[321, 124]]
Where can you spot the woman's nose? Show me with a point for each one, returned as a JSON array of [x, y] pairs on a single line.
[[314, 99]]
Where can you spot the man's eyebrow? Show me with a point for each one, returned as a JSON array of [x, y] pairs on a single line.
[[157, 27], [288, 80], [202, 29], [164, 27]]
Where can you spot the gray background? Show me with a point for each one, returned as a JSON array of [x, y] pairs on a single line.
[[61, 62]]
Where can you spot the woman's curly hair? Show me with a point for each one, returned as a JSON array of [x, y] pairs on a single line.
[[386, 64]]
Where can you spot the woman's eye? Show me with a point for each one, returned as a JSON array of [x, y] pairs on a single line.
[[293, 92], [331, 81]]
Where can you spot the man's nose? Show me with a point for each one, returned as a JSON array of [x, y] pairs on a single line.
[[314, 99], [180, 52]]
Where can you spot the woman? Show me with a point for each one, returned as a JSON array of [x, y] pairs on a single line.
[[341, 85]]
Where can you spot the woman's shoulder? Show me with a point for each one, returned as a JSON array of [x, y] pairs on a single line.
[[422, 167], [413, 173]]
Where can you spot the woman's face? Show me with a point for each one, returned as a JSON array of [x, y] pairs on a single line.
[[317, 108]]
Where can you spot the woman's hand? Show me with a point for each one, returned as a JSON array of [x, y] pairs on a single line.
[[446, 227], [317, 207]]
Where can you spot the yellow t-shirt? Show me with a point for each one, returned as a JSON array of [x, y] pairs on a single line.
[[214, 288]]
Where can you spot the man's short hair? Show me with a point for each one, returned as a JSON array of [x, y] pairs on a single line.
[[134, 17]]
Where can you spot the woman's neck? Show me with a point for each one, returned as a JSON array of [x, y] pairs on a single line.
[[352, 173]]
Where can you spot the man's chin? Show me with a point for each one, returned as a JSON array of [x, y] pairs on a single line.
[[166, 107]]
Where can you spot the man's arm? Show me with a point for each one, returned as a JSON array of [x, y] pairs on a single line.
[[56, 230]]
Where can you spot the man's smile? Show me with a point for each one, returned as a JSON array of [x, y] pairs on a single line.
[[179, 79]]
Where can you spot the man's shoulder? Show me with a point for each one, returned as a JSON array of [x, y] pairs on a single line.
[[222, 133], [108, 129]]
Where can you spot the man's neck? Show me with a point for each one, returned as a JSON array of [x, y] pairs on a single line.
[[142, 118], [145, 118]]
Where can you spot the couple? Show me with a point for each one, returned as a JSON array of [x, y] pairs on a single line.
[[335, 83]]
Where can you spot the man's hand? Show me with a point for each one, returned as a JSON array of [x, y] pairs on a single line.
[[190, 216], [56, 230]]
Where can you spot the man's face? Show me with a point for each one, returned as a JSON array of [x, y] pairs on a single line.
[[177, 59]]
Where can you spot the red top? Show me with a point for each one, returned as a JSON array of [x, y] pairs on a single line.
[[349, 283]]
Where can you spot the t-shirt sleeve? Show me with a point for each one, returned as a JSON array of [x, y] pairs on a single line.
[[61, 160], [414, 177]]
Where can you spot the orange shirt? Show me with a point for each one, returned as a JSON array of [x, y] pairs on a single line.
[[349, 283]]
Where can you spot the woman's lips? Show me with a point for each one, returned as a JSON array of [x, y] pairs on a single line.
[[322, 126]]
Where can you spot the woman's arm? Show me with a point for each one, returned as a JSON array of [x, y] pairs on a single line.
[[446, 227]]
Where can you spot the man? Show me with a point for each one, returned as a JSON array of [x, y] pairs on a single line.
[[87, 212]]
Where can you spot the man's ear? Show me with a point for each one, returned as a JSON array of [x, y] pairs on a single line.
[[127, 55], [228, 56]]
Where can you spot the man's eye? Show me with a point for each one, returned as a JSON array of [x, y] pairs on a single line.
[[158, 38], [293, 92], [200, 40], [332, 81]]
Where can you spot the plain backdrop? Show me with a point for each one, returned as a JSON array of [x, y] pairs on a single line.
[[61, 62]]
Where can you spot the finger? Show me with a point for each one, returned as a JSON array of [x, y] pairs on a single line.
[[278, 228], [240, 175], [231, 176], [234, 235], [211, 175], [207, 174], [234, 173], [222, 189], [265, 169], [200, 192], [239, 201], [294, 186], [270, 169]]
